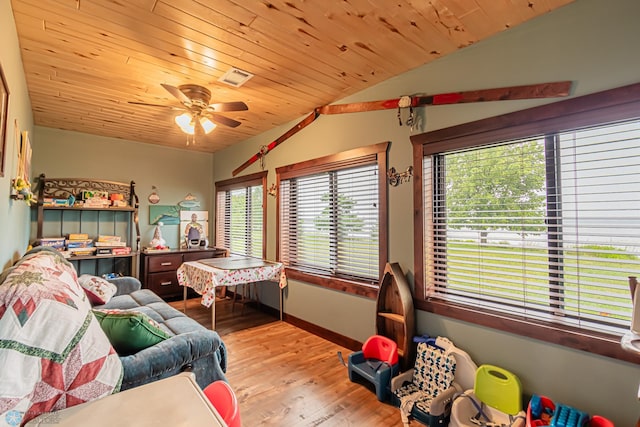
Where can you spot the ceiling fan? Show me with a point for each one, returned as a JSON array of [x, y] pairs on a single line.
[[200, 116]]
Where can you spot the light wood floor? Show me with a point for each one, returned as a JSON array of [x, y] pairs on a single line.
[[286, 376]]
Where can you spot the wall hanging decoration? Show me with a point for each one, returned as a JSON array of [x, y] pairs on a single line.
[[189, 202], [21, 185], [541, 90], [397, 178], [154, 198], [273, 190], [166, 214], [4, 110]]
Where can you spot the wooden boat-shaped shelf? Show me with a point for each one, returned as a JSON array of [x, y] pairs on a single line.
[[395, 316]]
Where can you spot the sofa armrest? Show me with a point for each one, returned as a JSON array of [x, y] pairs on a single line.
[[175, 354], [126, 284]]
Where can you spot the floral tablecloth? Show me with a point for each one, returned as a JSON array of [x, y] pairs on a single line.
[[204, 278]]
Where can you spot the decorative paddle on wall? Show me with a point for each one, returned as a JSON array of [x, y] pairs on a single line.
[[541, 90]]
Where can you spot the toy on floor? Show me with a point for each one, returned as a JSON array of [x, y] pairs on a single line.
[[376, 363], [542, 411], [426, 392], [496, 399]]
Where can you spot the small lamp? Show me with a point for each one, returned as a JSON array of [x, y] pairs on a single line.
[[207, 125], [185, 121]]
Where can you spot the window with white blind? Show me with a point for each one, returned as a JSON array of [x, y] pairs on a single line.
[[546, 228], [332, 215], [530, 221], [240, 215]]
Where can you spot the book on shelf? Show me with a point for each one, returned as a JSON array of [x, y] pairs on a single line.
[[54, 242], [110, 244], [107, 238], [121, 251], [81, 251], [88, 243], [103, 251], [77, 236]]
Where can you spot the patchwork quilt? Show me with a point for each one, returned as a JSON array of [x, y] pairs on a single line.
[[53, 352]]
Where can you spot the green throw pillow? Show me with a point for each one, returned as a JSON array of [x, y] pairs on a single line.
[[129, 331]]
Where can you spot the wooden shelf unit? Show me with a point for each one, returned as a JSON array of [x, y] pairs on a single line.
[[395, 316], [58, 221]]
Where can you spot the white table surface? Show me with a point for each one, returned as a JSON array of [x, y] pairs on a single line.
[[172, 402]]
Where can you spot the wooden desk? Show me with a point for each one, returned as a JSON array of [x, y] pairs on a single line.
[[206, 274], [172, 402], [158, 269]]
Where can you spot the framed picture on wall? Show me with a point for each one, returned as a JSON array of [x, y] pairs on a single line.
[[166, 214], [194, 226], [4, 111]]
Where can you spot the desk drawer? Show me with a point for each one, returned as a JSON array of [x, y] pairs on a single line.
[[194, 256], [164, 284], [164, 263]]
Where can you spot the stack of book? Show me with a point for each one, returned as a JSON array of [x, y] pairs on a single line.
[[111, 245], [79, 244]]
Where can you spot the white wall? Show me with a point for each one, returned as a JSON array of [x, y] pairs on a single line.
[[591, 42], [14, 215]]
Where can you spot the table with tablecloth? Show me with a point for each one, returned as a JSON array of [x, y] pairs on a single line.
[[205, 275]]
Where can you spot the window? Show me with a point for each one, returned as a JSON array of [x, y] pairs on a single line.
[[533, 227], [240, 215], [332, 219]]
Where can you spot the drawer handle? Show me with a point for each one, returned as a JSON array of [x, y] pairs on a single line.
[[165, 283], [166, 263]]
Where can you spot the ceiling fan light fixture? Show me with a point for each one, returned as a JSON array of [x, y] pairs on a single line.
[[207, 125], [185, 122]]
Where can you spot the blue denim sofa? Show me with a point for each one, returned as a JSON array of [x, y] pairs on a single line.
[[192, 346]]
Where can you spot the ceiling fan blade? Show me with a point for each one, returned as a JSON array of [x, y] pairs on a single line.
[[222, 120], [222, 107], [171, 107], [177, 93]]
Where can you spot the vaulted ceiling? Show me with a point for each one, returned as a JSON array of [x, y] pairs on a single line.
[[86, 60]]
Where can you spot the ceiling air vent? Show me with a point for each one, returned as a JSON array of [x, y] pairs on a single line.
[[235, 77]]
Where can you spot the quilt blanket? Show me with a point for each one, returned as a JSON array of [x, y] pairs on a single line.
[[53, 353]]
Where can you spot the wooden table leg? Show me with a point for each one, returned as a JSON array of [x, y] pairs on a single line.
[[184, 299], [213, 314]]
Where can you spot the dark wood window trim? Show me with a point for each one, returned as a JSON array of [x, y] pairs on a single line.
[[377, 153], [258, 178], [600, 108]]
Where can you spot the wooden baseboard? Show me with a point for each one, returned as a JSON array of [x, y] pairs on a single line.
[[335, 338]]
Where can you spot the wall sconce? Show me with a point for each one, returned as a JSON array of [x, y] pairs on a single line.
[[273, 190], [397, 178]]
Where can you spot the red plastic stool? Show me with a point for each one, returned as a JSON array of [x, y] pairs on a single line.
[[224, 400]]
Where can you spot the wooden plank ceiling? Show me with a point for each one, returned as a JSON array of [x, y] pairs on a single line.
[[85, 60]]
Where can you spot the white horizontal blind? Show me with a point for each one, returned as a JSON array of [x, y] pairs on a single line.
[[545, 228], [239, 220], [329, 222]]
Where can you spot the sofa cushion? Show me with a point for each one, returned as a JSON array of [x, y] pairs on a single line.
[[57, 353], [98, 290], [192, 345], [129, 331]]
